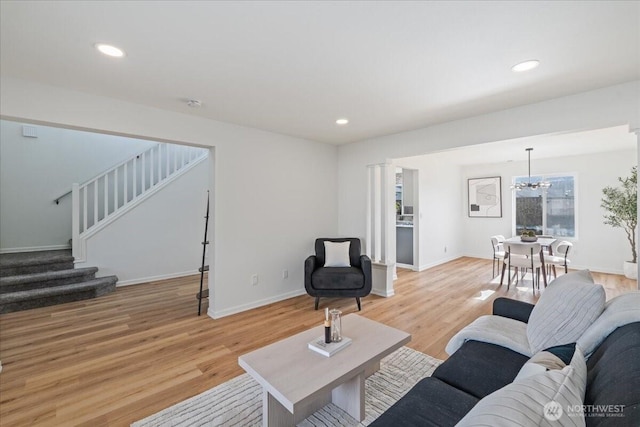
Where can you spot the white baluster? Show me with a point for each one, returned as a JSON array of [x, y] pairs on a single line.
[[144, 173], [151, 168], [159, 163], [106, 196], [95, 202], [115, 192], [125, 187], [134, 189], [85, 204], [166, 158]]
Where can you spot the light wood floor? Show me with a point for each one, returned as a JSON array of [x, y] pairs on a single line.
[[119, 358]]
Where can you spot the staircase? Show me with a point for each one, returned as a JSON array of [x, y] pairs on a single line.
[[39, 279], [103, 199]]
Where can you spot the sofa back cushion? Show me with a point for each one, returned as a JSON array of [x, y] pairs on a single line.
[[568, 306], [613, 380], [618, 311]]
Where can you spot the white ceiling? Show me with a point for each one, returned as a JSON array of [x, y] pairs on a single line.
[[295, 67], [616, 138]]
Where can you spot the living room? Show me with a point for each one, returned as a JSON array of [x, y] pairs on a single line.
[[275, 193]]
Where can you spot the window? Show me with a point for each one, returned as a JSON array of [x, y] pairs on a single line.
[[551, 211]]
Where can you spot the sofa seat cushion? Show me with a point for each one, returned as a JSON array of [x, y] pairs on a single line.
[[550, 399], [337, 278], [614, 379], [429, 403], [480, 368]]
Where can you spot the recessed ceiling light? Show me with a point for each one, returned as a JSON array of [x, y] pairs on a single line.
[[525, 66], [109, 50], [342, 121]]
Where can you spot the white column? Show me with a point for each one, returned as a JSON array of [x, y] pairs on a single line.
[[380, 226]]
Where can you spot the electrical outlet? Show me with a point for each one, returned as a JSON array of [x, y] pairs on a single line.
[[254, 279], [445, 249], [285, 274]]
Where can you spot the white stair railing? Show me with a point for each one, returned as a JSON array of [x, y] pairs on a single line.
[[109, 195]]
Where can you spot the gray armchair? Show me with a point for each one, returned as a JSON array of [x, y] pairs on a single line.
[[338, 282]]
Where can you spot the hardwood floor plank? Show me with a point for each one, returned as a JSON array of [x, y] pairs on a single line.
[[124, 356]]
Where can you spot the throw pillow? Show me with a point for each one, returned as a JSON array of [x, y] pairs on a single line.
[[553, 358], [618, 311], [552, 398], [565, 311], [336, 254]]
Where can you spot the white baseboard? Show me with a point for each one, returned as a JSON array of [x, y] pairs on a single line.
[[439, 262], [407, 266], [255, 304], [34, 249], [154, 278], [386, 294]]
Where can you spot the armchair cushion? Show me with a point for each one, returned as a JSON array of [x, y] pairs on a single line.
[[336, 278]]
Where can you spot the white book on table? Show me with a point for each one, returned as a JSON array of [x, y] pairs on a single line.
[[328, 349]]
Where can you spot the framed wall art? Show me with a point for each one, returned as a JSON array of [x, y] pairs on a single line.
[[485, 197]]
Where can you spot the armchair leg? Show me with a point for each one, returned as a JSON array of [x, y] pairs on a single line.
[[317, 302], [358, 302]]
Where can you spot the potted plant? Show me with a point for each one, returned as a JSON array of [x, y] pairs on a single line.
[[621, 204], [528, 236]]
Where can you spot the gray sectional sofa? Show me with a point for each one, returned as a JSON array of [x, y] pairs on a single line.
[[476, 386]]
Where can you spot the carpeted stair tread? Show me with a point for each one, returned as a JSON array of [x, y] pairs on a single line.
[[25, 282], [12, 264], [23, 300]]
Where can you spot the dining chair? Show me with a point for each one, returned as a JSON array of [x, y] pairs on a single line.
[[562, 250], [546, 250], [497, 243], [522, 257]]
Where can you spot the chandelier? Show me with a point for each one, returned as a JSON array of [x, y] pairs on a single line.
[[530, 185]]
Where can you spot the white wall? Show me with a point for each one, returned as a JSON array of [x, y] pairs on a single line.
[[274, 194], [439, 204], [35, 171], [597, 246]]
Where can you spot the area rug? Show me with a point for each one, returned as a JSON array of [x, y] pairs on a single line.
[[238, 402]]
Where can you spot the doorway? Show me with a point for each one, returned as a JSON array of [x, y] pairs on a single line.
[[407, 217]]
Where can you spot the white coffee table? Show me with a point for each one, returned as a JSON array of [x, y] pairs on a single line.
[[297, 381]]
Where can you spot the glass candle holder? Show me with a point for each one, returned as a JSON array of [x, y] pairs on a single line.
[[336, 325]]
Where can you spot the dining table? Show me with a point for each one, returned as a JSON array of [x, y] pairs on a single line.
[[545, 243]]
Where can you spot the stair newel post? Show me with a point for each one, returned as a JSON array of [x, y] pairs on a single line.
[[205, 242], [75, 219]]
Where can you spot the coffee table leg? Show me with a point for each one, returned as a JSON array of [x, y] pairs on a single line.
[[350, 396], [273, 413]]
